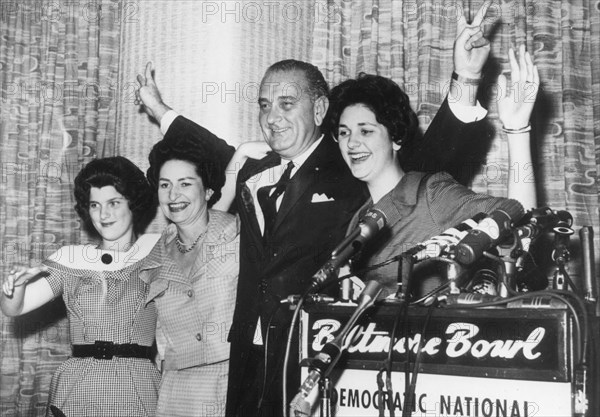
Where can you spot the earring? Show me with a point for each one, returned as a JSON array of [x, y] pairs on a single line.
[[208, 194]]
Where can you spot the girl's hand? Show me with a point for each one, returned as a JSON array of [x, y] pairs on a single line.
[[515, 102], [20, 275], [255, 149]]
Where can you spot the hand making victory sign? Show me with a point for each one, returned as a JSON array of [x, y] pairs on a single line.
[[149, 96], [471, 48]]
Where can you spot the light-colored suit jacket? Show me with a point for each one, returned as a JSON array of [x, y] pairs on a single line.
[[195, 312]]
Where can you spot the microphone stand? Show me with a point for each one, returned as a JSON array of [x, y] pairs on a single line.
[[405, 268], [325, 392], [506, 285], [561, 256], [586, 237], [325, 361]]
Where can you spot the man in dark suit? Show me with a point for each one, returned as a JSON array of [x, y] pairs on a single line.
[[292, 215]]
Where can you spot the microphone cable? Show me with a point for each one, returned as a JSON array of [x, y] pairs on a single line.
[[409, 396], [286, 357], [381, 386], [387, 365], [430, 295], [266, 353]]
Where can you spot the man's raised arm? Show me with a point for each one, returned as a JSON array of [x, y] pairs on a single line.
[[171, 123], [454, 141]]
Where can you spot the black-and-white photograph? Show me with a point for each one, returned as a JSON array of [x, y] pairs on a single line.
[[287, 208]]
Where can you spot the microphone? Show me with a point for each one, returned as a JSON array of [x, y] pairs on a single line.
[[586, 234], [486, 234], [541, 220], [562, 234], [469, 298], [324, 362], [311, 299], [370, 224], [537, 301], [436, 245]]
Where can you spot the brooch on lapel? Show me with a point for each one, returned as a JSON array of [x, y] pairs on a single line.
[[247, 199]]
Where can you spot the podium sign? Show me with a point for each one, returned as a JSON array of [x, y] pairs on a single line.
[[474, 362]]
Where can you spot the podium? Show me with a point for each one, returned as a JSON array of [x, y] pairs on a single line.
[[474, 362]]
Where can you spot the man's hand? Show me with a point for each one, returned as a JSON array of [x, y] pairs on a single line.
[[149, 96], [471, 48]]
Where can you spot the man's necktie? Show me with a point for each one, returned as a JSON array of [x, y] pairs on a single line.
[[268, 195]]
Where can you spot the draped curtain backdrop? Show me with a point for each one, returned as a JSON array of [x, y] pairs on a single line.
[[411, 42], [58, 69]]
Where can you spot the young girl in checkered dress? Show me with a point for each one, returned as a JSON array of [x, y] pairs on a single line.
[[112, 328]]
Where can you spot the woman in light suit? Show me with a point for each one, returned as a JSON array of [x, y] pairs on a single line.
[[192, 272]]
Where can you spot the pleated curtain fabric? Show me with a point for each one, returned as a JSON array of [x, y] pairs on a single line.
[[58, 71]]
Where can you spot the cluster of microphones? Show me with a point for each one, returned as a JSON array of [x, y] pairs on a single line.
[[464, 244]]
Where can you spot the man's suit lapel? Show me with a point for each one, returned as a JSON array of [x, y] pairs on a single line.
[[246, 202], [304, 179], [255, 166]]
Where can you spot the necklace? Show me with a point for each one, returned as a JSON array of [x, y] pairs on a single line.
[[180, 244]]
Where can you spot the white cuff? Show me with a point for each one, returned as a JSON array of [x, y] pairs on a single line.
[[466, 114], [167, 119]]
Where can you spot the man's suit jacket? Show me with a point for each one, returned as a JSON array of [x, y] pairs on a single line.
[[449, 145], [317, 206]]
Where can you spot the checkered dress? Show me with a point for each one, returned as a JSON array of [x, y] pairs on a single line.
[[104, 302]]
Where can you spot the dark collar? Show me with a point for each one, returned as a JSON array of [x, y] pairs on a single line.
[[254, 166]]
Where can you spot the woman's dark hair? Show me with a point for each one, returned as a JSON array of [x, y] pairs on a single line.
[[383, 97], [127, 179], [194, 151]]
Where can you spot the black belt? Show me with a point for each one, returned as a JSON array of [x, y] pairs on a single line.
[[106, 350]]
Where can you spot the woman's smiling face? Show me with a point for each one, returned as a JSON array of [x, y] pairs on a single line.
[[365, 143], [181, 193]]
